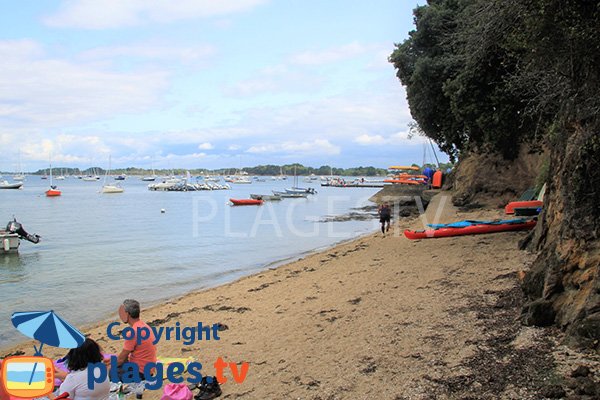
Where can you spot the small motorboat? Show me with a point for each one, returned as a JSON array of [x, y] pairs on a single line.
[[265, 197], [287, 195], [8, 185], [296, 190], [9, 237], [246, 202]]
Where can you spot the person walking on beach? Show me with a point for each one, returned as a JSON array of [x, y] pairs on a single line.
[[143, 353], [385, 216]]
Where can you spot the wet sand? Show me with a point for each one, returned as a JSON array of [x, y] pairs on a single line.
[[375, 318]]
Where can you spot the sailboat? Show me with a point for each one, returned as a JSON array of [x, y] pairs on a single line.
[[111, 188], [150, 178], [298, 190], [61, 177], [53, 191], [19, 176]]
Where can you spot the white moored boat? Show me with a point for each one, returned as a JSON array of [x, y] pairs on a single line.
[[13, 185], [108, 189]]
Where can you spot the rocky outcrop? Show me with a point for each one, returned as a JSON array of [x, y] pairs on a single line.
[[563, 284], [403, 195], [489, 179]]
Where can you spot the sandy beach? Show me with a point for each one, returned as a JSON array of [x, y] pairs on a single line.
[[375, 318]]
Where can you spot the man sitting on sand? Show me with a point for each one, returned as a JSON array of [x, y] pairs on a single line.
[[143, 353]]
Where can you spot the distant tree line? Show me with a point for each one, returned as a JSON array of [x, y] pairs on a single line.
[[265, 170], [258, 170]]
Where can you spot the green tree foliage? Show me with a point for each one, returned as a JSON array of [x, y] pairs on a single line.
[[458, 67], [424, 63]]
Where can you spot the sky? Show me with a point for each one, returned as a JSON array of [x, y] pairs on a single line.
[[203, 83]]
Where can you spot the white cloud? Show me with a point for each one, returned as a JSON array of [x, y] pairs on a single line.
[[234, 147], [329, 55], [39, 90], [205, 146], [107, 14], [171, 156], [275, 79], [152, 51], [396, 139], [367, 140], [315, 147]]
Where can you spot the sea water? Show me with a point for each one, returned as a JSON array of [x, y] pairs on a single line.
[[98, 249]]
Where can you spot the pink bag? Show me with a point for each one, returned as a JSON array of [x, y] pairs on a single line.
[[176, 391]]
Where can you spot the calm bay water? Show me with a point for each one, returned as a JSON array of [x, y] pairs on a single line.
[[97, 250]]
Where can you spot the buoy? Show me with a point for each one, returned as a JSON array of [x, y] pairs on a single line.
[[162, 211]]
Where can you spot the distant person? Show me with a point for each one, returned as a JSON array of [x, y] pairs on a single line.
[[385, 217], [143, 353], [75, 383]]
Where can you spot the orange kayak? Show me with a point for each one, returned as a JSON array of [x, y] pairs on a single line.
[[404, 181]]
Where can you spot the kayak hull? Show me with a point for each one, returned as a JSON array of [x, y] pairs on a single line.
[[246, 202], [469, 230], [510, 207]]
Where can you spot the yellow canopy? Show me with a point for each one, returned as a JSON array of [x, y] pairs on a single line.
[[404, 168]]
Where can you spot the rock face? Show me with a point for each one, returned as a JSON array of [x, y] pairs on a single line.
[[406, 200], [563, 284], [488, 179]]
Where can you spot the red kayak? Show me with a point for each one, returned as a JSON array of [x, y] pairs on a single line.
[[510, 207], [468, 230], [246, 202]]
